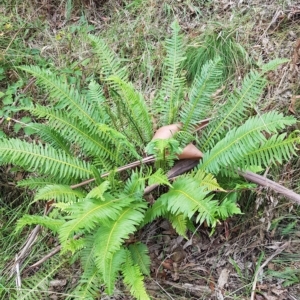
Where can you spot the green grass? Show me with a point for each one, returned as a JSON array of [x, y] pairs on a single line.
[[217, 42]]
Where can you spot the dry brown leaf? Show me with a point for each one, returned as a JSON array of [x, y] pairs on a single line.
[[167, 131]]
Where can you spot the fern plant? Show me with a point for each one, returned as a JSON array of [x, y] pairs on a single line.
[[88, 133]]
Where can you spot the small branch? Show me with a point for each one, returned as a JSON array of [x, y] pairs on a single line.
[[134, 164], [18, 276], [261, 180], [278, 251], [41, 261]]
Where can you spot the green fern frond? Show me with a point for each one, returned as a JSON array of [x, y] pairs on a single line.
[[120, 141], [134, 109], [245, 139], [74, 246], [187, 197], [110, 268], [135, 185], [88, 286], [65, 96], [52, 137], [156, 210], [273, 64], [165, 151], [184, 138], [167, 102], [111, 236], [96, 97], [207, 180], [179, 223], [39, 182], [52, 224], [89, 213], [159, 177], [87, 254], [134, 279], [97, 144], [275, 149], [43, 159], [110, 64], [98, 192], [228, 208], [200, 103], [37, 287], [235, 111], [61, 193], [90, 280], [140, 256]]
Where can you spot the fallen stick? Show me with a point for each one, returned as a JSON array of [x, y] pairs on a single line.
[[265, 182]]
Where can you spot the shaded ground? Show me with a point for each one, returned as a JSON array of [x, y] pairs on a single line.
[[222, 265]]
